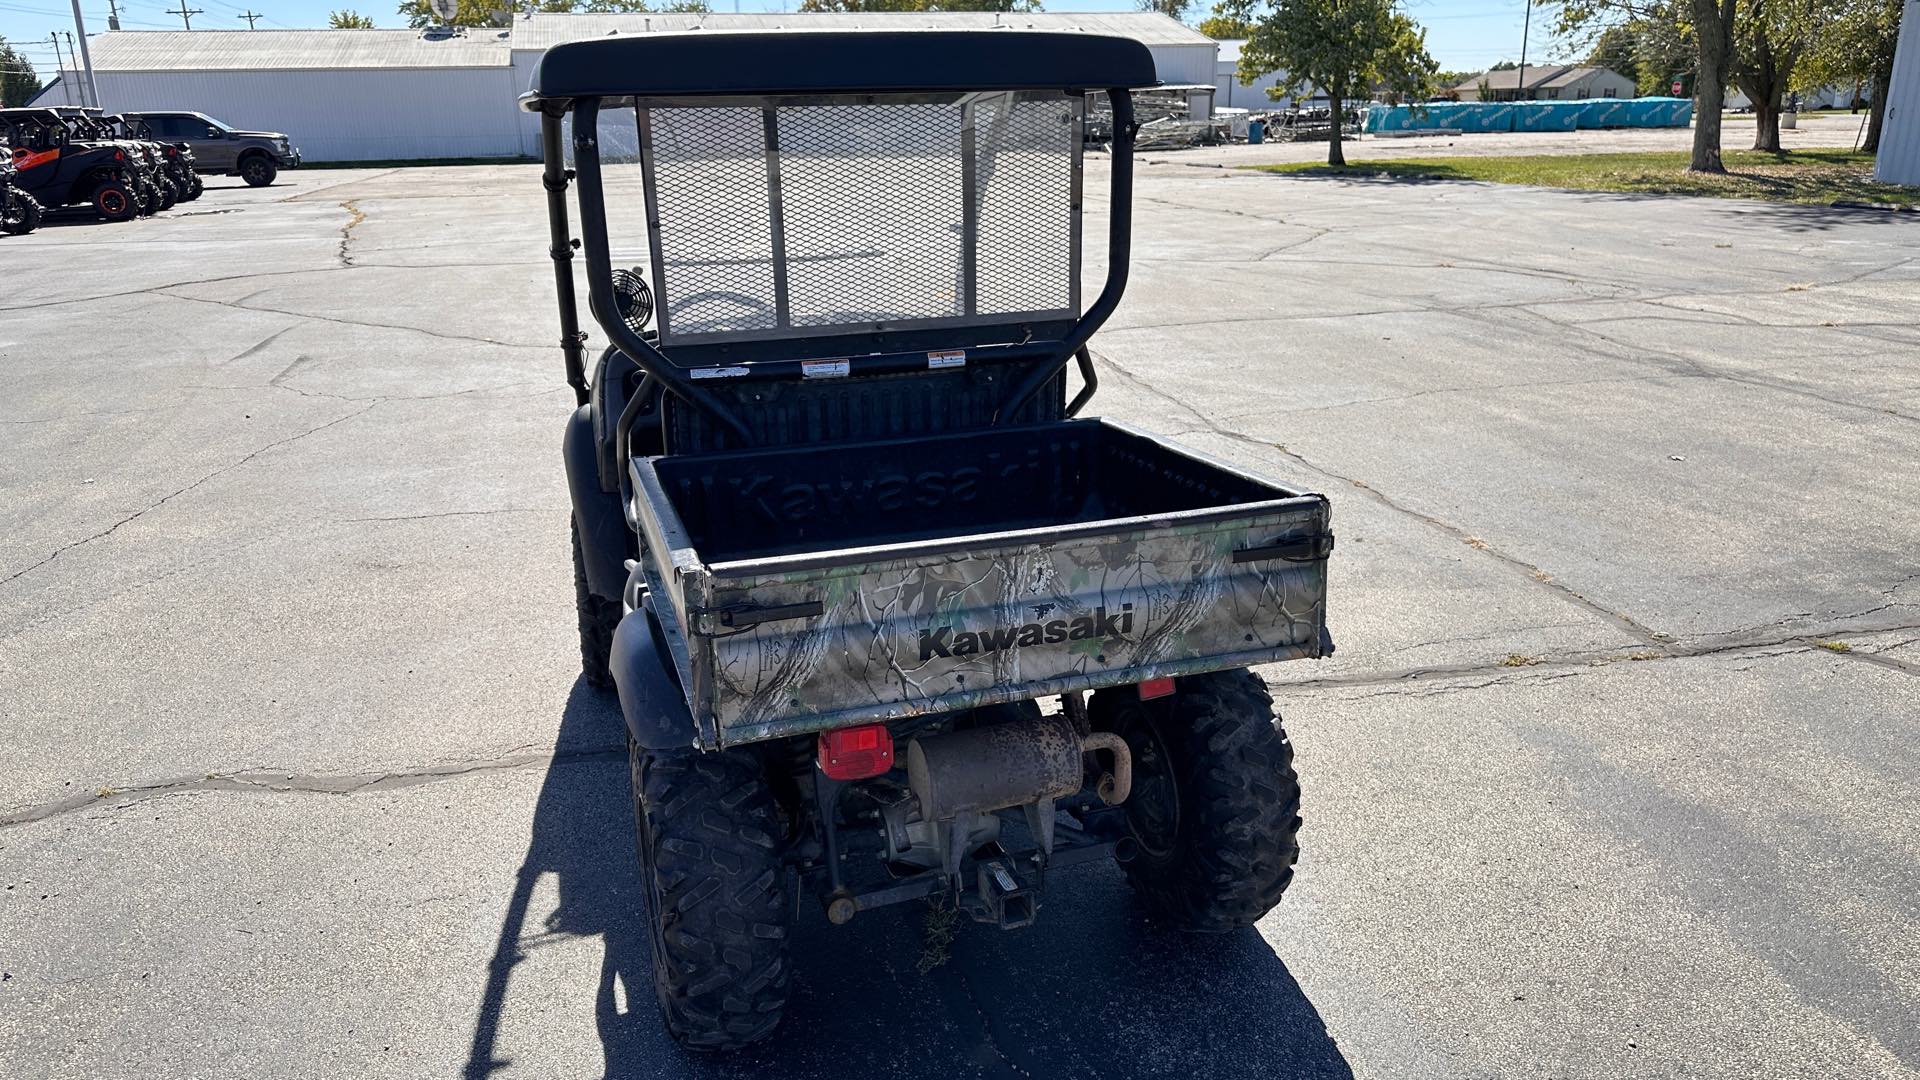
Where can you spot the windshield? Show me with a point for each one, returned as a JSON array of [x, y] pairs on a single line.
[[211, 122]]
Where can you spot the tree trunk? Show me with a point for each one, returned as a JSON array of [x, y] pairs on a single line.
[[1335, 155], [1876, 112], [1766, 124], [1713, 26]]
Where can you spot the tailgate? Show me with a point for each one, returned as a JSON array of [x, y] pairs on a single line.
[[799, 643]]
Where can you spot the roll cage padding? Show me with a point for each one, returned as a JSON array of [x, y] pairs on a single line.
[[708, 63]]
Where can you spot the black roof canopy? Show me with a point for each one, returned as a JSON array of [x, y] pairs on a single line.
[[716, 62]]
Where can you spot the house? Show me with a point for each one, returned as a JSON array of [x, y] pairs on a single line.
[[1546, 82]]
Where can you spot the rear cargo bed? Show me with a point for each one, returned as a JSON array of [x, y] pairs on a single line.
[[810, 587]]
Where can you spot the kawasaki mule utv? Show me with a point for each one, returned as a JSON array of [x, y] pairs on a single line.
[[58, 172], [887, 621]]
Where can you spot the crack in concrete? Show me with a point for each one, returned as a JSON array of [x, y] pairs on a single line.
[[1702, 369], [258, 346], [235, 305], [164, 499], [278, 781], [462, 513], [1789, 644], [346, 232]]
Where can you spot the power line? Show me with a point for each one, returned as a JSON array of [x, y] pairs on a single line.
[[186, 13]]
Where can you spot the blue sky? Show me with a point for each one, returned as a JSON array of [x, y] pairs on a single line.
[[1461, 34]]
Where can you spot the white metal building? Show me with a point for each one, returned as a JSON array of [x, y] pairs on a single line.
[[367, 95], [1229, 94], [340, 95], [1899, 159], [1181, 54]]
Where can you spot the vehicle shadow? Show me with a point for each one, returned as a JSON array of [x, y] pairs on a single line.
[[1092, 990]]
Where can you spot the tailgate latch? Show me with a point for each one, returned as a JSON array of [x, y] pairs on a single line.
[[719, 620], [1311, 547]]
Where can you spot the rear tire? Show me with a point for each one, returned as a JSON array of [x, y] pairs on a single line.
[[258, 170], [599, 618], [717, 906], [114, 201], [1215, 808]]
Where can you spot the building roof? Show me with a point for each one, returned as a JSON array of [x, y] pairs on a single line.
[[538, 32], [1539, 76], [284, 50]]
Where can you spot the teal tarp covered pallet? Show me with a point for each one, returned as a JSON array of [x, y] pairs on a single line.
[[1480, 116]]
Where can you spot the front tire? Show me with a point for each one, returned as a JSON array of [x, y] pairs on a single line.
[[716, 891], [22, 214], [599, 618], [259, 170], [1215, 808]]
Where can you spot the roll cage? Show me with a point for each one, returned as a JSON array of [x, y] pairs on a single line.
[[778, 106]]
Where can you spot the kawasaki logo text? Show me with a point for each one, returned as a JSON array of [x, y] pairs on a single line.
[[943, 641]]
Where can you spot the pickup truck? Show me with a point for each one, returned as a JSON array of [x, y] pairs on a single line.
[[254, 156]]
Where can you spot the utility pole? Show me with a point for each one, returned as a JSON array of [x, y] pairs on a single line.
[[186, 13], [1520, 77], [60, 65], [250, 16], [86, 59], [113, 15]]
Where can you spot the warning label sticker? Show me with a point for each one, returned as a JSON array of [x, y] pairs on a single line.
[[824, 369], [955, 358]]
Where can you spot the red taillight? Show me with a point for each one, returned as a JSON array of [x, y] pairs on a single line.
[[856, 753], [1154, 688], [119, 156]]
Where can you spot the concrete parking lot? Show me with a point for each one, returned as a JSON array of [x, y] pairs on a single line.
[[1615, 772]]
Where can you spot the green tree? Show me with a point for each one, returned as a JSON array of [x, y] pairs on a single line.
[[1856, 50], [1617, 49], [1173, 9], [18, 81], [1346, 48], [919, 5], [1711, 23], [469, 13], [1769, 42], [349, 20], [1666, 51], [1231, 20]]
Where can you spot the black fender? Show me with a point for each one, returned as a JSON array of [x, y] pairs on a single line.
[[655, 709], [605, 541]]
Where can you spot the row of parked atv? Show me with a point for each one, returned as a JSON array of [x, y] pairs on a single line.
[[84, 157]]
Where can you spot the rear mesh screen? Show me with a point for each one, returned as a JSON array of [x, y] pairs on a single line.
[[788, 218]]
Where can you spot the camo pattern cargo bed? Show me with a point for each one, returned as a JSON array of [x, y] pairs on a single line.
[[946, 572]]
